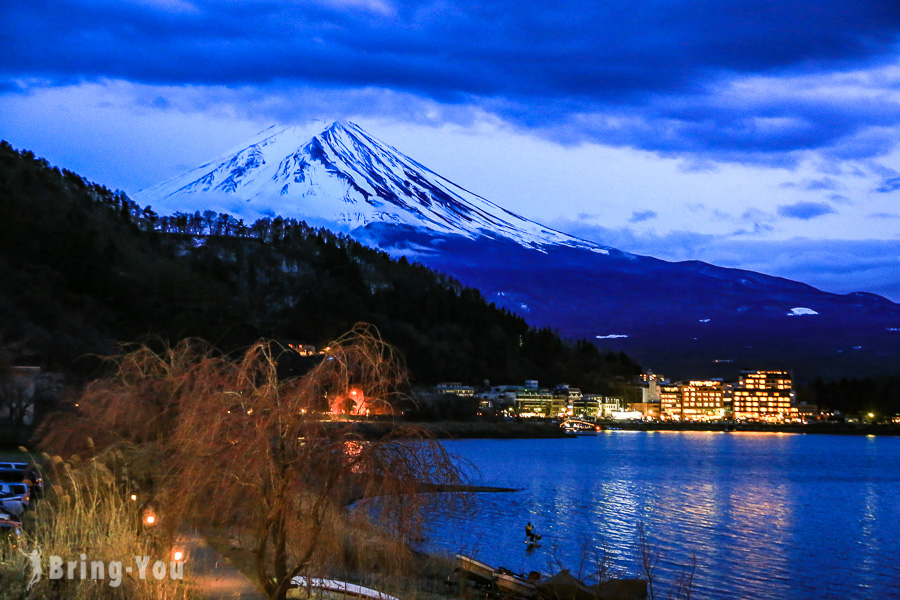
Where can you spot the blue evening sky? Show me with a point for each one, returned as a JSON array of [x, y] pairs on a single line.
[[755, 134]]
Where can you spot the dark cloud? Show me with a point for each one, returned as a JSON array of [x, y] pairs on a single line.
[[804, 210], [7, 87], [814, 185], [757, 229], [889, 185], [754, 214], [653, 75], [644, 215], [826, 183]]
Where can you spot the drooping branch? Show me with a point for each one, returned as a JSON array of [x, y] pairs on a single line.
[[234, 445]]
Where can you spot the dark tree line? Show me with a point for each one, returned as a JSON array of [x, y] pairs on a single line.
[[877, 395]]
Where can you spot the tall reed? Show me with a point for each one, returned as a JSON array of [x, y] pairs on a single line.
[[87, 517]]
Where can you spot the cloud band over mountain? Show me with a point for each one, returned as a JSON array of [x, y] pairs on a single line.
[[743, 81]]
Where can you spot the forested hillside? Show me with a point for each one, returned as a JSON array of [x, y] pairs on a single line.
[[84, 268]]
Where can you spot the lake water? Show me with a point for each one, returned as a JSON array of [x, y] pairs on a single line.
[[768, 516]]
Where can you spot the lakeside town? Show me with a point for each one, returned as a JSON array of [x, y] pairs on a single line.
[[757, 396]]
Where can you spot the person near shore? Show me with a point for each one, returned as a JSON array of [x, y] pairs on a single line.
[[530, 535]]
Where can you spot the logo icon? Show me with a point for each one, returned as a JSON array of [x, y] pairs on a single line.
[[35, 557]]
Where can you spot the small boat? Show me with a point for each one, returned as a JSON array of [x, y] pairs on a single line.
[[581, 426], [330, 589], [475, 570], [511, 583]]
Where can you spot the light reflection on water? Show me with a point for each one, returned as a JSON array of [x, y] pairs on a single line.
[[767, 516]]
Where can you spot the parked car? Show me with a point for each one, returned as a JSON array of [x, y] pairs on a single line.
[[12, 466], [25, 474], [14, 498], [10, 531]]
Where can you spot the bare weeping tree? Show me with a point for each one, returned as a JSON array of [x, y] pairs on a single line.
[[227, 442], [127, 417]]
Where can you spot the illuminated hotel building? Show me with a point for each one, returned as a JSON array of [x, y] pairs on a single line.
[[693, 400], [702, 400], [670, 401], [762, 396]]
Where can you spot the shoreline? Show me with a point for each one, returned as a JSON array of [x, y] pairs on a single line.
[[810, 428], [450, 430], [502, 430], [434, 488]]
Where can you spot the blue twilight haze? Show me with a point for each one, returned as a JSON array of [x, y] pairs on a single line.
[[745, 123]]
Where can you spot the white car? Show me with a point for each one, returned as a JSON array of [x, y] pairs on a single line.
[[12, 466], [14, 498]]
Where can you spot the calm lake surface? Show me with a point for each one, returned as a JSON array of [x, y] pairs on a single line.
[[806, 517]]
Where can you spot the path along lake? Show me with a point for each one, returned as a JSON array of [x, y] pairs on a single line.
[[768, 516]]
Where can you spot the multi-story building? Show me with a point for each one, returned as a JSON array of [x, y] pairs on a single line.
[[693, 400], [500, 398], [649, 410], [804, 412], [455, 388], [587, 406], [763, 396], [650, 384], [564, 400], [611, 404], [703, 400], [670, 401], [534, 402]]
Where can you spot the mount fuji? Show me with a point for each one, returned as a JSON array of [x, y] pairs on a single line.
[[685, 319], [343, 179]]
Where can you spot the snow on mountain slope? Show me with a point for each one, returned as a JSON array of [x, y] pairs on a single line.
[[343, 179]]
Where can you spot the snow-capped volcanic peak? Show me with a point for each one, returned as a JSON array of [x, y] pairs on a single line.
[[343, 178]]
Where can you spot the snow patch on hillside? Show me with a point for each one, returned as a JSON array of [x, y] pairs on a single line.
[[799, 311]]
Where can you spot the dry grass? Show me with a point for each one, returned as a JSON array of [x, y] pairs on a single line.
[[86, 514]]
